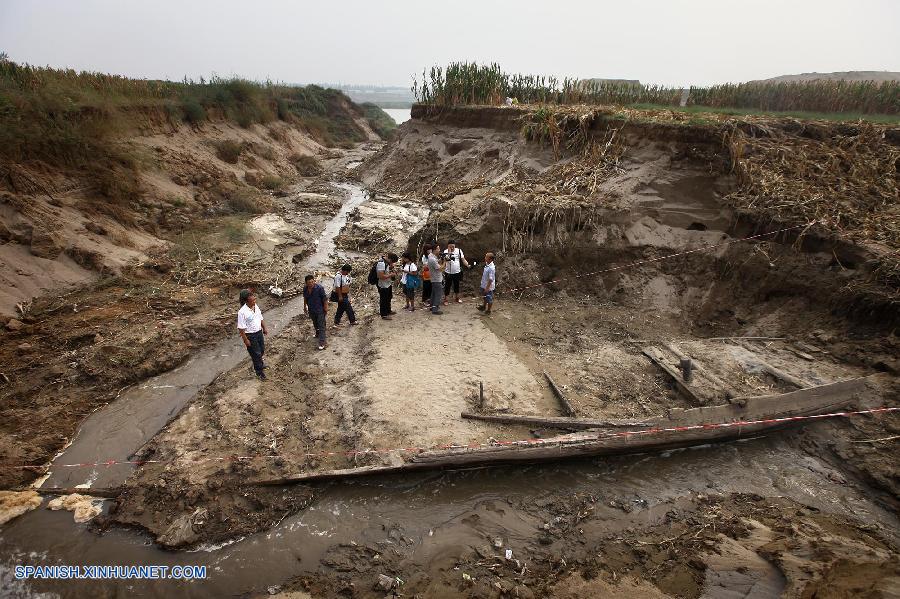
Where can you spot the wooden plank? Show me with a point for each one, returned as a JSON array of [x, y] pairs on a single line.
[[816, 400], [795, 403], [658, 358], [552, 422], [777, 372], [567, 407], [108, 493], [784, 376]]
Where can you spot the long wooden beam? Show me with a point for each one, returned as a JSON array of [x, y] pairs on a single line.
[[106, 493], [758, 416], [560, 422]]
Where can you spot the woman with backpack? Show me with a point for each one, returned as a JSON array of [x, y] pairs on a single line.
[[409, 280]]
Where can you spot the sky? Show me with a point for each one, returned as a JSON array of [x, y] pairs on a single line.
[[672, 42]]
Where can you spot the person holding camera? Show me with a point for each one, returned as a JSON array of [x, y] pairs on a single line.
[[340, 294], [455, 260]]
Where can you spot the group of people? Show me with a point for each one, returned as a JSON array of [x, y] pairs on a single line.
[[438, 273]]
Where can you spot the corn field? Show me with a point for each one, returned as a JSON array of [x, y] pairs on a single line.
[[463, 83]]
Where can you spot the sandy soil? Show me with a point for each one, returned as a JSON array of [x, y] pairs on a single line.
[[428, 370]]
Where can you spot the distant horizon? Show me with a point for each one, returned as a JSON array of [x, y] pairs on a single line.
[[675, 44], [335, 85]]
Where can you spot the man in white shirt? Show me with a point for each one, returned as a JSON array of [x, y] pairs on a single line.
[[455, 260], [488, 283], [340, 294], [252, 328]]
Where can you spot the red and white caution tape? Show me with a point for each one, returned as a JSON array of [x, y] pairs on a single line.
[[520, 442]]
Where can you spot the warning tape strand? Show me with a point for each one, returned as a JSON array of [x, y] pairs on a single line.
[[451, 446]]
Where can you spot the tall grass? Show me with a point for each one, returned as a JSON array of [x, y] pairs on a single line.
[[471, 83], [61, 116]]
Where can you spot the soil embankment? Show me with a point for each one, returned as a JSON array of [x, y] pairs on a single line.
[[610, 238], [102, 293]]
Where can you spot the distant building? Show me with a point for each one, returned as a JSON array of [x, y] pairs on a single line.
[[619, 81]]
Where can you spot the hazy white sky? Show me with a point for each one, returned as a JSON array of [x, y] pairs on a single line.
[[384, 42]]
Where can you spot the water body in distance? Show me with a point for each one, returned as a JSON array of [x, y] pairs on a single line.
[[400, 115]]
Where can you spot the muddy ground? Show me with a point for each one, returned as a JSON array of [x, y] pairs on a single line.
[[74, 352], [810, 512]]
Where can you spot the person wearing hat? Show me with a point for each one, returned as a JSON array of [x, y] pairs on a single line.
[[252, 329], [340, 295]]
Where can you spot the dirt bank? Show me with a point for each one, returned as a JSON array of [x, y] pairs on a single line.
[[153, 282]]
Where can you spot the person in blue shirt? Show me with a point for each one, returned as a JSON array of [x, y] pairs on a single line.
[[315, 303]]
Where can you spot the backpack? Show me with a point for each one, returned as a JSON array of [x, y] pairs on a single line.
[[373, 274]]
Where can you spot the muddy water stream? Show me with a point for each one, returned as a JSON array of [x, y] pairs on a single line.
[[437, 515], [118, 430]]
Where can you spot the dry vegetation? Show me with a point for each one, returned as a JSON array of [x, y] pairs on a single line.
[[471, 83], [845, 178]]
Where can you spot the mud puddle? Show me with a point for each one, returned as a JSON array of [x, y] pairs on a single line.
[[115, 432], [432, 519]]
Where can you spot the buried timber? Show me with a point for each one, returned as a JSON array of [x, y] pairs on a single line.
[[646, 284]]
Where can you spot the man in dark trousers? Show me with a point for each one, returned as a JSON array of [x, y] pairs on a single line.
[[315, 303], [252, 328], [436, 269], [455, 260], [341, 294], [386, 276]]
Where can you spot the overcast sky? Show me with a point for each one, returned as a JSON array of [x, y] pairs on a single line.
[[675, 42]]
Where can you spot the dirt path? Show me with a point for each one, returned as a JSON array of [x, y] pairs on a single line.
[[428, 371]]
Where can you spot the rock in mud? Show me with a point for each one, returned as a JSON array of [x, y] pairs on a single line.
[[180, 533], [84, 507], [16, 503], [95, 228], [45, 245], [14, 325], [385, 583]]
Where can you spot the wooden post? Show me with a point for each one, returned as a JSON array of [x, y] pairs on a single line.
[[480, 395], [656, 355], [686, 369], [716, 381]]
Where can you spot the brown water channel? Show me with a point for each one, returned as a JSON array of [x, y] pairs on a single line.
[[434, 512]]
